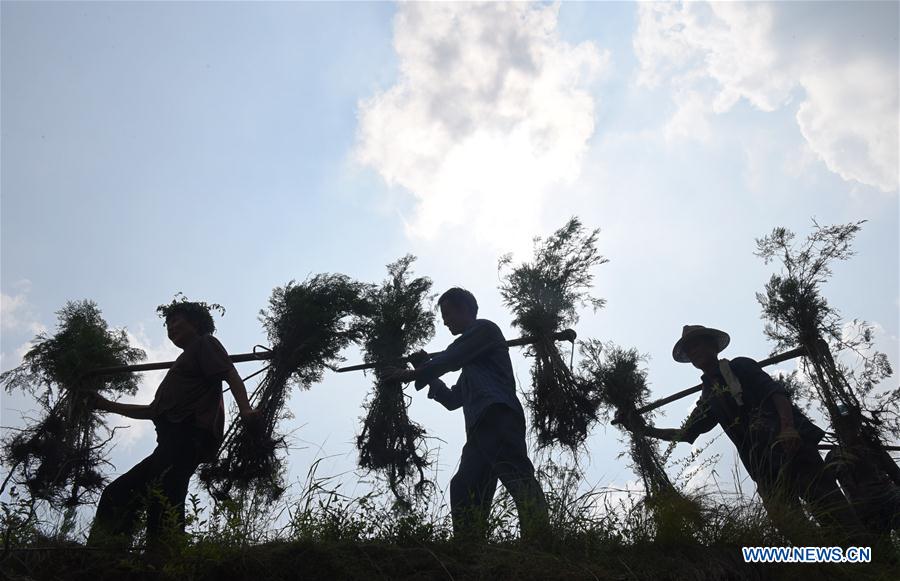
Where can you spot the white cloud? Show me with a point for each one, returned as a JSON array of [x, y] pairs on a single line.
[[724, 41], [850, 119], [767, 54], [16, 314], [17, 318], [691, 120], [490, 112], [9, 308]]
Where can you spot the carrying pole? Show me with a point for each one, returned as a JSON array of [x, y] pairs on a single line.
[[786, 356], [565, 335], [264, 355]]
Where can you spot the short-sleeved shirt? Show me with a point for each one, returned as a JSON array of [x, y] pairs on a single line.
[[754, 426], [486, 378], [192, 389]]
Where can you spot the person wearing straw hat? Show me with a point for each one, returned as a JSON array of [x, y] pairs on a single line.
[[776, 442]]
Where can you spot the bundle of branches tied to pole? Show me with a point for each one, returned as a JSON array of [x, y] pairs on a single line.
[[621, 384], [622, 388], [307, 324], [398, 320], [864, 415], [797, 313], [544, 295], [57, 457]]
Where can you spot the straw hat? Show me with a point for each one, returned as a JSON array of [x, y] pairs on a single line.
[[690, 332]]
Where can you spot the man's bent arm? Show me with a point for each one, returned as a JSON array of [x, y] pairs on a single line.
[[787, 434], [447, 397], [784, 409], [470, 345]]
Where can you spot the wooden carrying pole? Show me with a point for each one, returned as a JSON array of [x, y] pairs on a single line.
[[787, 355], [263, 355], [266, 354], [564, 335]]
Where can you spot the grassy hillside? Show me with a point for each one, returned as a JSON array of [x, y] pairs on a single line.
[[380, 560], [323, 534]]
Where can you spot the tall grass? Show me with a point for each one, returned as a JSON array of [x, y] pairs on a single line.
[[324, 527]]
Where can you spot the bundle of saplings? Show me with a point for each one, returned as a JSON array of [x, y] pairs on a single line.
[[543, 296], [307, 324], [400, 319], [798, 314], [621, 385], [863, 415], [57, 456]]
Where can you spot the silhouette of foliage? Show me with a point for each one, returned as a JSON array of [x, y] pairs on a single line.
[[57, 457], [797, 314], [307, 324], [399, 320], [621, 384], [543, 296]]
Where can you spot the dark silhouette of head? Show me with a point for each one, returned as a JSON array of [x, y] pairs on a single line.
[[181, 330], [186, 320], [459, 309], [703, 351], [700, 346]]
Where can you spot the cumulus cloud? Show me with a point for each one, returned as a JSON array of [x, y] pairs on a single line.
[[850, 119], [16, 313], [775, 55], [10, 306], [17, 319], [691, 120], [491, 109]]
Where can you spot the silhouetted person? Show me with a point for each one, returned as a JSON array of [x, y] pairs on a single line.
[[495, 421], [777, 443], [189, 415]]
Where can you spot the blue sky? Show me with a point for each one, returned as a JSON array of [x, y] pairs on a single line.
[[223, 149]]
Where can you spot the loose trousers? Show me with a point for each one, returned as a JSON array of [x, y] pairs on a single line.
[[158, 483], [803, 475], [495, 449]]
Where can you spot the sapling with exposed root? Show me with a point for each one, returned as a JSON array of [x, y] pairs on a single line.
[[307, 324], [617, 376], [399, 319], [544, 296], [58, 456]]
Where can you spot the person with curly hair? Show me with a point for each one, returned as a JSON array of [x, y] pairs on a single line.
[[188, 412]]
